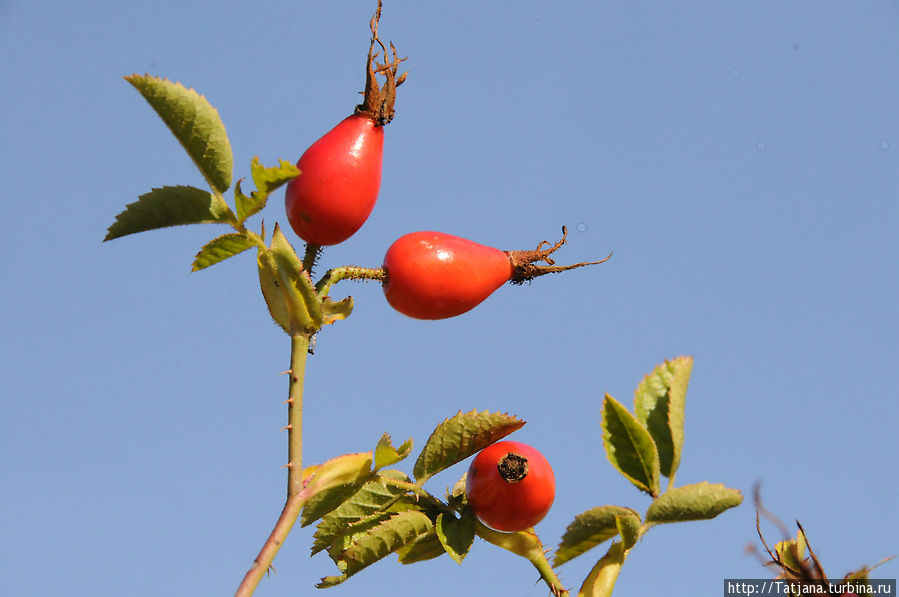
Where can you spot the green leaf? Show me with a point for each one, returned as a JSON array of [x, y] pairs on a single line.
[[659, 406], [170, 206], [425, 547], [629, 446], [362, 501], [460, 436], [377, 543], [347, 468], [591, 528], [628, 528], [247, 205], [456, 534], [326, 501], [221, 248], [601, 580], [267, 180], [387, 455], [194, 122], [700, 501]]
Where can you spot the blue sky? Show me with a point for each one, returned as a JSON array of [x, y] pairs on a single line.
[[739, 157]]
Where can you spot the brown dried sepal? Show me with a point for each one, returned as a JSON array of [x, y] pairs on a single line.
[[525, 264], [512, 467], [378, 102]]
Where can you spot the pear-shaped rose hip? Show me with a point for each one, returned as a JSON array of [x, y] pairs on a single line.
[[340, 174], [433, 275]]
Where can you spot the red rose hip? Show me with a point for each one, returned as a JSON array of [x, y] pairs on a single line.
[[340, 174], [510, 486]]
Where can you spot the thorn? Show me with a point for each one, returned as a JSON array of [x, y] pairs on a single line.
[[288, 465], [288, 401], [286, 427], [285, 372]]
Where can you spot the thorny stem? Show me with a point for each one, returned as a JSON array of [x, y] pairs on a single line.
[[296, 497], [310, 257], [349, 272]]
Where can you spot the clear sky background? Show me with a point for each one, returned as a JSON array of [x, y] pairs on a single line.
[[739, 157]]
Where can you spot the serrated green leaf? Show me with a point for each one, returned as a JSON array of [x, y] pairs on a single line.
[[194, 122], [269, 179], [326, 501], [659, 406], [628, 528], [456, 534], [601, 580], [700, 501], [591, 528], [629, 446], [170, 206], [336, 310], [221, 248], [425, 547], [247, 205], [366, 499], [377, 543], [460, 436], [387, 455]]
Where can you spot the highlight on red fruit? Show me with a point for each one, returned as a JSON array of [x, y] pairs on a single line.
[[340, 174], [510, 486], [434, 275]]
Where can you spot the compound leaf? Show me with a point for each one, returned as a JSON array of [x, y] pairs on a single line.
[[194, 122], [460, 436], [170, 206], [369, 498]]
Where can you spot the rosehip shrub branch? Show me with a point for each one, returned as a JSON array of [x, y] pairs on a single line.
[[364, 508]]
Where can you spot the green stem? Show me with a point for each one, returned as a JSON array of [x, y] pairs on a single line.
[[296, 497], [527, 545], [299, 348]]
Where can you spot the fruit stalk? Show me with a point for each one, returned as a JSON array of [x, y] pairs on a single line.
[[299, 347], [527, 545]]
